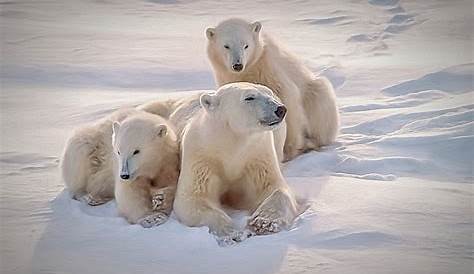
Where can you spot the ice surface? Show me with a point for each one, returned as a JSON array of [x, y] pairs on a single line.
[[394, 194]]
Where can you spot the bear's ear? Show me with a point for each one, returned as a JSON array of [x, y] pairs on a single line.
[[256, 27], [211, 33], [209, 101], [161, 130]]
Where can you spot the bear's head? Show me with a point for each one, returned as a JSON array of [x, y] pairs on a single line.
[[235, 44], [136, 142], [245, 107]]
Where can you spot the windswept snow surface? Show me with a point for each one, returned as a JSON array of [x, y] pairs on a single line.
[[394, 194]]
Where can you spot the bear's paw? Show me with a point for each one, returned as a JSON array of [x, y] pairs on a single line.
[[153, 220]]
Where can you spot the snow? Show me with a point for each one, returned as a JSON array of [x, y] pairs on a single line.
[[394, 194]]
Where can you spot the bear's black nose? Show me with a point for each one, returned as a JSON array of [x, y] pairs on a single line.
[[237, 67], [125, 176], [280, 111]]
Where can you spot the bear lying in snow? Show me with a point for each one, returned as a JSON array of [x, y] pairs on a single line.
[[143, 173], [238, 51], [87, 162], [229, 159]]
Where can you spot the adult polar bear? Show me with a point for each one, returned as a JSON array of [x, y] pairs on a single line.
[[239, 52], [228, 158]]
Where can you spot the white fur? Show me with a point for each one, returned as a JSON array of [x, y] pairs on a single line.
[[228, 158], [159, 107], [146, 146], [90, 169], [181, 110], [313, 118], [86, 164]]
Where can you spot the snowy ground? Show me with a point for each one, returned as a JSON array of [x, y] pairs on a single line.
[[393, 195]]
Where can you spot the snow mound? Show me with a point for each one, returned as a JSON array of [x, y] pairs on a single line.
[[456, 79]]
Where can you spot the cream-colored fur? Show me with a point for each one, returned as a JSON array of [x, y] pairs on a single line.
[[162, 108], [91, 171], [313, 118], [146, 168], [87, 165], [229, 159], [180, 110]]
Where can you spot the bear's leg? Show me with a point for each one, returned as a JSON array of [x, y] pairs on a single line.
[[279, 137], [134, 203], [197, 203], [220, 225], [319, 102], [162, 198], [161, 206], [295, 125], [100, 188], [197, 198], [201, 212], [274, 214]]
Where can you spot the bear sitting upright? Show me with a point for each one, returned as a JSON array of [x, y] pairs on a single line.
[[239, 52], [146, 168]]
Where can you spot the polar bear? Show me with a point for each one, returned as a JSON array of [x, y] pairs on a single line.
[[179, 110], [88, 168], [229, 159], [146, 168], [239, 51], [87, 163]]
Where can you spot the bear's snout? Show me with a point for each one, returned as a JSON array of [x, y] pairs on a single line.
[[280, 112], [237, 67]]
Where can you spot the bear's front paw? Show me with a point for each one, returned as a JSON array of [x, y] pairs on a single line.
[[157, 201], [232, 238], [264, 224], [153, 220], [94, 201]]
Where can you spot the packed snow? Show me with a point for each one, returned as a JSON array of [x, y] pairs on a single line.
[[394, 194]]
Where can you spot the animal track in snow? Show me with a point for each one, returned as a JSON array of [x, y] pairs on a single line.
[[336, 20], [399, 22], [384, 3]]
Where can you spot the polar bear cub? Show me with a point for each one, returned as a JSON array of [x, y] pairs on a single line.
[[142, 178], [146, 168], [229, 159], [87, 162], [240, 51]]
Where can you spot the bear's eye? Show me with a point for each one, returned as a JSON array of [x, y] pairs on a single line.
[[136, 152], [226, 46], [118, 152], [246, 46], [250, 98]]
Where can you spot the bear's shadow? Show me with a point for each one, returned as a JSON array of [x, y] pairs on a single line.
[[83, 239]]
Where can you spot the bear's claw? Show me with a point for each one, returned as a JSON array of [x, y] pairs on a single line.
[[157, 201], [233, 238], [153, 220], [261, 225], [92, 201]]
